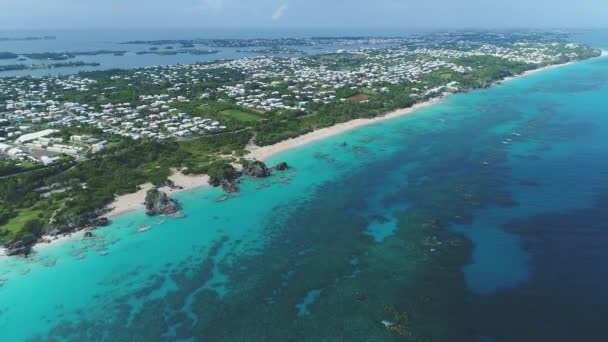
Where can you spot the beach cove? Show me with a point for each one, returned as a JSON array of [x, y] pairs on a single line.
[[131, 202]]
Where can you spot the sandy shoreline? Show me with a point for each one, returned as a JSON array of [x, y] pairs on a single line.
[[135, 201], [132, 202], [265, 152], [535, 71], [125, 204], [58, 240]]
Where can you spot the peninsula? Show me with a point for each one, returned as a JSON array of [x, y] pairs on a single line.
[[73, 145]]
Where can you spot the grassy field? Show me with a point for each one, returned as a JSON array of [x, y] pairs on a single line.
[[239, 115], [17, 223]]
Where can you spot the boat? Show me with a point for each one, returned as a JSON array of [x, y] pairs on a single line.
[[159, 222], [143, 228], [222, 199], [103, 253]]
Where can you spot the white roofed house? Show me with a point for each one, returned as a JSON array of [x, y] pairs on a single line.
[[33, 136]]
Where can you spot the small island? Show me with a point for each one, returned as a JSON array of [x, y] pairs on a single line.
[[16, 67], [60, 56], [6, 39], [8, 55], [171, 52], [275, 51]]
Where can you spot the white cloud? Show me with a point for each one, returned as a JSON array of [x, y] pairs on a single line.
[[279, 12]]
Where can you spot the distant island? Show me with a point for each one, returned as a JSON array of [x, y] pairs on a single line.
[[171, 52], [8, 55], [15, 67], [275, 51], [62, 56], [412, 40], [72, 144], [4, 39], [58, 56]]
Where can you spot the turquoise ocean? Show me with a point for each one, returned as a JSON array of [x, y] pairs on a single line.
[[481, 218]]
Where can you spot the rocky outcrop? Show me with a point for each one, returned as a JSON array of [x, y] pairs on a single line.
[[256, 169], [19, 248], [23, 246], [281, 166], [99, 222], [158, 203], [225, 176], [229, 185]]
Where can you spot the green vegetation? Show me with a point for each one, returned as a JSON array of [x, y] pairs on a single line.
[[239, 115], [20, 223], [92, 184]]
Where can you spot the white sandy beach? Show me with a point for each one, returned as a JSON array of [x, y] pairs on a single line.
[[536, 71], [58, 240], [263, 153], [128, 203], [53, 241], [135, 201], [131, 202]]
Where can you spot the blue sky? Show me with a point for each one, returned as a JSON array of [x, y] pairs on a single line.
[[58, 14]]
